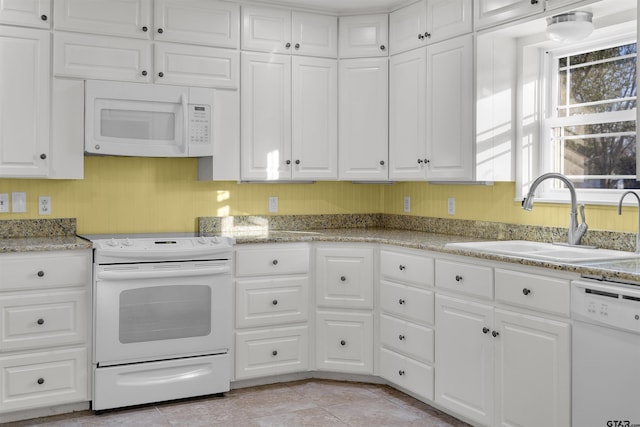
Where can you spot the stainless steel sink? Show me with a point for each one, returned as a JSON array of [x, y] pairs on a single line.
[[544, 251]]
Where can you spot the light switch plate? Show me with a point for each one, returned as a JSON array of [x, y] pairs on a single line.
[[451, 206], [407, 204], [19, 202], [273, 204], [4, 203]]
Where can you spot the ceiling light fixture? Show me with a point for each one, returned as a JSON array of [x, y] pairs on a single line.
[[570, 26]]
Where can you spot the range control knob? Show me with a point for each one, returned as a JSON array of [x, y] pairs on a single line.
[[202, 240], [112, 242], [215, 239], [127, 242]]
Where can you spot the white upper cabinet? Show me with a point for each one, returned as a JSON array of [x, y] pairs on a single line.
[[363, 117], [127, 18], [30, 13], [490, 12], [24, 102], [282, 31], [407, 115], [208, 22], [428, 21], [364, 36], [449, 139]]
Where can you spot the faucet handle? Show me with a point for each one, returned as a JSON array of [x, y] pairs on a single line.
[[582, 217]]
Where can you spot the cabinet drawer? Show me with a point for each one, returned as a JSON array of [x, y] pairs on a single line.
[[44, 270], [407, 302], [464, 278], [345, 342], [271, 302], [536, 292], [272, 260], [407, 373], [43, 320], [271, 352], [101, 57], [407, 338], [43, 379], [344, 277], [405, 267]]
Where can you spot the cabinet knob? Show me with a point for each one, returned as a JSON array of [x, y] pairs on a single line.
[[458, 278], [382, 47], [144, 73], [343, 342], [40, 321], [40, 273], [495, 334], [40, 381], [43, 156], [534, 1], [274, 302], [297, 162], [274, 353], [401, 372], [381, 162], [343, 278], [426, 161], [526, 291], [288, 162], [401, 301], [401, 337], [427, 35], [145, 29], [420, 161], [485, 330], [160, 74], [44, 17], [160, 31], [402, 267], [420, 36], [274, 262], [297, 46], [288, 45]]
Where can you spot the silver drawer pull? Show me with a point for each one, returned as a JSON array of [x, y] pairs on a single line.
[[40, 321], [402, 267], [401, 337], [343, 278], [40, 381], [274, 353], [274, 302], [526, 291], [401, 301], [40, 273], [458, 278], [343, 342]]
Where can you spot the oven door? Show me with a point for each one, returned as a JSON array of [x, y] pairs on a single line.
[[161, 311]]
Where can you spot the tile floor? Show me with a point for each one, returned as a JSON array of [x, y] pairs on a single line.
[[308, 403]]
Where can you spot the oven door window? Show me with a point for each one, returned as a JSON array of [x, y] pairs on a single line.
[[160, 313]]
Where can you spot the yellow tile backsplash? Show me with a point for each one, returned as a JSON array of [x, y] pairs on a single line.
[[122, 195]]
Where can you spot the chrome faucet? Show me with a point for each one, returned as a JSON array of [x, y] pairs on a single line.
[[620, 213], [575, 231]]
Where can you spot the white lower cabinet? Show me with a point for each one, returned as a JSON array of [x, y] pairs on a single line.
[[500, 365], [44, 332], [344, 341], [407, 373]]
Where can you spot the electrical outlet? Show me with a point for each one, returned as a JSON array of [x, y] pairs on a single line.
[[44, 205], [273, 204], [451, 206], [407, 204], [19, 202], [4, 203]]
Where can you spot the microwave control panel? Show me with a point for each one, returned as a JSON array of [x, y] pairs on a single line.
[[199, 124]]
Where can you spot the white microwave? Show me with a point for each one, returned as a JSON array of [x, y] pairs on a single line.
[[147, 120]]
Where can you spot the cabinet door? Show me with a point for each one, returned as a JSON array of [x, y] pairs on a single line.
[[30, 13], [314, 34], [407, 115], [266, 29], [363, 36], [208, 22], [126, 18], [448, 18], [363, 119], [464, 354], [101, 57], [533, 371], [491, 12], [266, 117], [315, 118], [449, 109], [407, 27], [24, 102], [178, 64], [345, 342], [344, 277]]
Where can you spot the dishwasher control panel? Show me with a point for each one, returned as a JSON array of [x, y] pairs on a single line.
[[606, 303]]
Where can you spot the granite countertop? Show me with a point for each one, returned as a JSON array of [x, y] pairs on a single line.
[[37, 244], [36, 235]]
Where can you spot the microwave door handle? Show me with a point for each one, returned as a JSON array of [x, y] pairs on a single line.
[[185, 130]]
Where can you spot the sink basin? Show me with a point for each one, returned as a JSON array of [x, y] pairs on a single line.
[[543, 251]]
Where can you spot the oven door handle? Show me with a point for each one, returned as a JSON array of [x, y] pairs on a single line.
[[161, 274]]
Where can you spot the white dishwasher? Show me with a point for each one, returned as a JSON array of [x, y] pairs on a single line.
[[605, 354]]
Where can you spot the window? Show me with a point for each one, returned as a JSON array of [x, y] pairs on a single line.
[[591, 117]]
